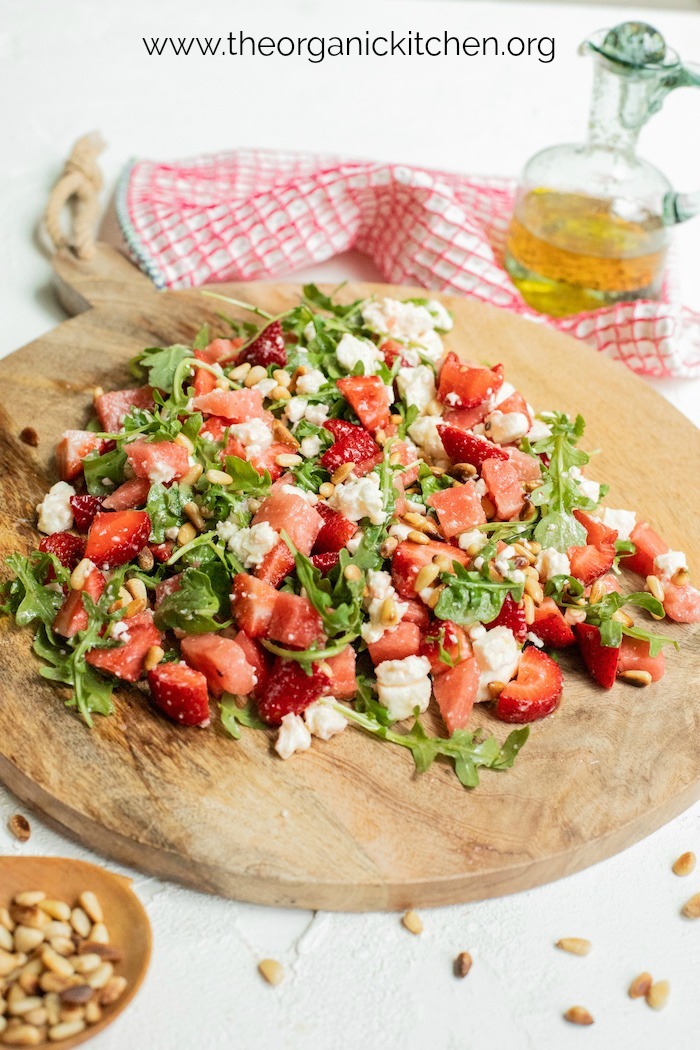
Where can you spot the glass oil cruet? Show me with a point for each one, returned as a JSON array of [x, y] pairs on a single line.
[[590, 225]]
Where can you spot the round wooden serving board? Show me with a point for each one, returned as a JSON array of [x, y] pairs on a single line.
[[348, 825]]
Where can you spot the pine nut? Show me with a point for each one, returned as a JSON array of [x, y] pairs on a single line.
[[24, 1006], [7, 941], [53, 982], [435, 596], [342, 473], [417, 537], [99, 933], [691, 908], [680, 577], [6, 919], [86, 963], [138, 605], [638, 678], [256, 373], [462, 964], [27, 939], [529, 609], [683, 866], [62, 945], [578, 1015], [412, 922], [534, 589], [388, 614], [271, 970], [523, 552], [574, 945], [22, 1035], [621, 616], [79, 575], [93, 1012], [193, 475], [288, 459], [326, 489], [640, 986], [218, 477], [239, 373], [137, 588], [467, 470], [183, 440], [195, 515], [427, 575], [489, 507], [280, 393], [112, 991], [657, 996], [186, 533], [99, 977], [103, 951], [65, 1029], [597, 592], [353, 573], [574, 616], [29, 898], [283, 378], [495, 689], [388, 547], [443, 563], [37, 1017], [58, 929], [29, 916], [656, 588], [222, 383], [283, 434], [56, 963], [153, 657]]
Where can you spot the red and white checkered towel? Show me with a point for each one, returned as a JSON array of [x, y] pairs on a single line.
[[255, 214]]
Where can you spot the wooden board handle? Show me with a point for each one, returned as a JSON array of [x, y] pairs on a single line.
[[107, 277]]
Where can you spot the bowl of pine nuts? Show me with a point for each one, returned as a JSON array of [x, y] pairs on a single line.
[[75, 944]]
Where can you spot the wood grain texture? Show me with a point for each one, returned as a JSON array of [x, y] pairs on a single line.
[[125, 918], [349, 825]]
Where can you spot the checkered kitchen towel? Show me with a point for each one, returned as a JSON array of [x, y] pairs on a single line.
[[255, 215]]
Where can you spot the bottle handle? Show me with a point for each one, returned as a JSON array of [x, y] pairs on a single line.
[[679, 207]]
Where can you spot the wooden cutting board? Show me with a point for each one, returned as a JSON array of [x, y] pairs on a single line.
[[348, 825]]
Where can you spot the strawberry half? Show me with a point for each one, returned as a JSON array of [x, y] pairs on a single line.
[[181, 693], [536, 690], [290, 690], [462, 447], [551, 626], [115, 537], [589, 562], [512, 615], [84, 510], [69, 549], [326, 561], [335, 531], [267, 348], [355, 446], [601, 660]]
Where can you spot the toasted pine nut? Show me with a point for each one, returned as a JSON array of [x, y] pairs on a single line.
[[683, 866], [7, 941], [93, 1012], [53, 982], [24, 1005], [86, 963], [56, 963], [640, 986], [186, 533], [98, 978], [153, 657], [138, 605], [58, 910], [29, 898], [80, 922], [412, 922], [63, 945], [193, 475], [680, 577], [283, 434], [534, 589], [574, 945], [22, 1035], [691, 908], [19, 826], [657, 996], [218, 477], [37, 1017], [8, 963], [353, 573], [574, 616], [256, 373], [99, 933], [388, 547], [239, 373], [435, 596], [655, 588], [195, 515], [271, 970], [112, 991], [65, 1029], [489, 507], [639, 678], [280, 393], [529, 609], [523, 552], [288, 459], [578, 1015], [326, 489], [621, 616], [223, 383], [388, 614], [183, 440], [342, 473], [27, 939], [427, 575], [79, 576], [597, 592], [136, 588], [443, 563], [283, 378], [467, 470], [55, 928], [496, 688], [462, 964], [434, 408], [417, 537]]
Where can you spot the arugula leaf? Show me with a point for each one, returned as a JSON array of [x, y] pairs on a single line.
[[192, 607], [165, 508], [367, 703], [202, 339], [92, 694], [309, 475], [601, 615], [314, 296], [559, 494], [339, 617], [161, 364], [469, 596], [233, 716], [429, 483], [27, 597], [96, 468], [246, 478]]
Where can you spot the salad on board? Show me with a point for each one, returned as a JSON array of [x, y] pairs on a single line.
[[326, 519]]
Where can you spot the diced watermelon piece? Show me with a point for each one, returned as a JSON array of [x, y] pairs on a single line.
[[258, 658], [454, 642], [601, 660], [416, 612], [204, 380], [397, 643], [649, 545], [113, 406], [551, 626], [286, 510], [72, 617], [267, 460], [458, 508], [336, 530], [455, 692], [163, 461], [166, 587], [409, 558], [221, 660], [535, 692], [528, 468], [504, 488], [512, 616], [463, 447], [294, 622], [343, 680], [72, 449], [466, 386], [181, 693], [590, 562], [276, 565], [220, 350], [252, 604], [126, 660], [130, 495], [681, 603], [467, 418], [515, 402], [116, 537], [235, 406], [368, 397], [634, 656]]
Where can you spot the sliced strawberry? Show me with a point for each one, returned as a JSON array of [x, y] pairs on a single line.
[[84, 510], [455, 692], [681, 603], [536, 690], [551, 626], [294, 622], [409, 558], [512, 615], [116, 537], [356, 447], [258, 658], [462, 447], [589, 562], [163, 461], [286, 510], [113, 406], [597, 533], [69, 549], [222, 662], [326, 561], [267, 348], [233, 406], [204, 380], [181, 693], [368, 397], [290, 690], [649, 545], [132, 494], [601, 660], [335, 531], [504, 488], [466, 386], [72, 616], [454, 642], [397, 643], [341, 428], [458, 508], [634, 656], [162, 551], [276, 565], [126, 660], [252, 603], [72, 449]]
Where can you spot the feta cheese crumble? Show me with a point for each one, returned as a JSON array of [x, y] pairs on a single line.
[[506, 427], [359, 498], [417, 386], [312, 382], [538, 431], [55, 512], [669, 563], [249, 545], [162, 473], [324, 721], [352, 351], [551, 562], [470, 538], [380, 588], [425, 434], [589, 488], [310, 446], [403, 685], [498, 656], [293, 736], [407, 323], [622, 521], [255, 435]]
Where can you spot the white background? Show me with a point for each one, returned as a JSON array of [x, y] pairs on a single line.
[[354, 981]]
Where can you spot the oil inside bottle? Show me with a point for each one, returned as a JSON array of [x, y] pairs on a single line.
[[568, 253]]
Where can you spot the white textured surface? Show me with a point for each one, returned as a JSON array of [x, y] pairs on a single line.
[[353, 981]]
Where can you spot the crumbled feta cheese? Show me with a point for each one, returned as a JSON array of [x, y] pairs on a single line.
[[502, 559], [470, 538], [417, 508], [589, 488], [305, 494], [295, 408], [310, 446], [669, 563], [498, 656], [359, 498], [354, 542], [171, 532], [404, 685], [324, 721], [316, 414], [309, 332], [249, 545], [400, 531], [452, 398], [380, 588], [255, 435], [416, 386], [425, 434], [351, 351], [538, 431], [120, 631], [440, 315], [551, 562], [55, 512], [535, 639], [480, 487], [108, 483], [506, 427], [405, 322], [266, 386], [161, 473], [312, 382], [477, 630], [502, 394], [293, 736], [622, 521]]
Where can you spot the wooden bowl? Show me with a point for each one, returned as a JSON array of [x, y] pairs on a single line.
[[125, 918]]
